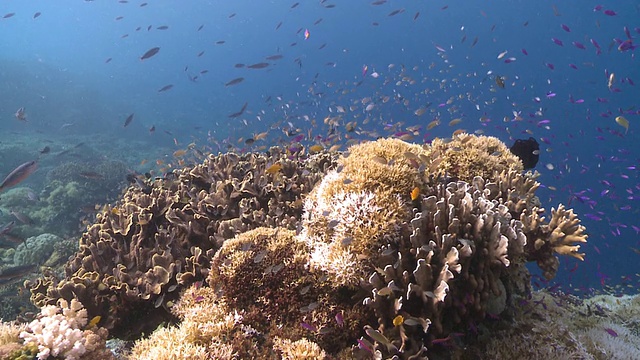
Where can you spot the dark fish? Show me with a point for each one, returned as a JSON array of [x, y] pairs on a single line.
[[19, 174], [415, 17], [239, 113], [5, 229], [249, 141], [528, 150], [9, 273], [108, 60], [396, 12], [220, 42], [6, 16], [45, 150], [119, 18], [152, 128], [128, 120], [200, 53], [21, 217], [232, 15], [235, 81], [238, 66], [163, 27], [275, 57], [295, 5], [261, 65], [151, 52], [200, 27], [37, 14], [144, 4], [165, 88], [278, 26], [317, 21]]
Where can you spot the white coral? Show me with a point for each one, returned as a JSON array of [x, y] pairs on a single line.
[[57, 331]]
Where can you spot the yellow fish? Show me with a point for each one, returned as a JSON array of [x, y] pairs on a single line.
[[274, 168], [94, 321], [415, 193], [622, 121], [315, 148]]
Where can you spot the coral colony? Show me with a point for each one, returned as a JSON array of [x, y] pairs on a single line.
[[390, 250]]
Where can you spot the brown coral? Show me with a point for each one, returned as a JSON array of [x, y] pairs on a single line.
[[161, 238], [466, 156]]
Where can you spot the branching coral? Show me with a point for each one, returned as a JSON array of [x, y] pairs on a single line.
[[62, 332], [438, 263]]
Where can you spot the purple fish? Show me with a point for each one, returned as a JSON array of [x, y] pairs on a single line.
[[573, 66], [565, 28], [524, 51], [611, 332], [579, 45], [610, 13], [308, 327], [557, 41], [626, 45], [550, 66]]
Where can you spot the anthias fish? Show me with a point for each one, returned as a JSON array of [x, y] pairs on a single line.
[[151, 52], [19, 174]]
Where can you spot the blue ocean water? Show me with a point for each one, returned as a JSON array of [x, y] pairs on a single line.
[[77, 70]]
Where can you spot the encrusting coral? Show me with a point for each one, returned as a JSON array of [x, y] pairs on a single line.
[[162, 235]]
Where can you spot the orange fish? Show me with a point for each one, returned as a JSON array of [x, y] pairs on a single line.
[[179, 153], [415, 193], [306, 34]]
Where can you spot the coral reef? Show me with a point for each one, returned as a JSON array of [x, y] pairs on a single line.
[[162, 235], [397, 252], [438, 248], [263, 303], [63, 331], [36, 249], [560, 326]]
